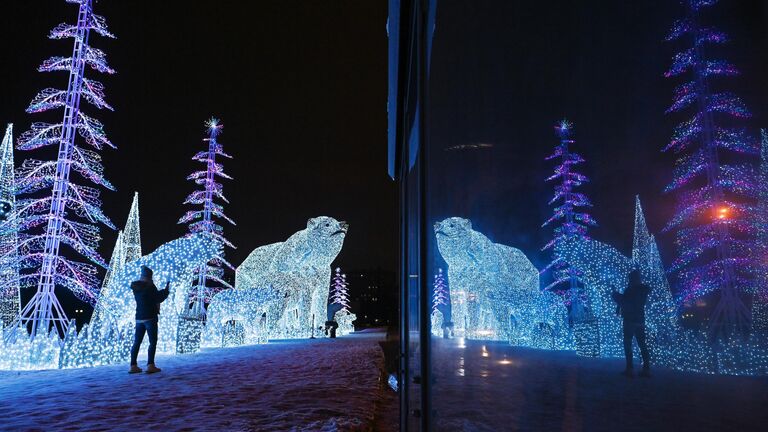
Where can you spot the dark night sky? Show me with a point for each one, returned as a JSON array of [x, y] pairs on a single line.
[[504, 72], [300, 86]]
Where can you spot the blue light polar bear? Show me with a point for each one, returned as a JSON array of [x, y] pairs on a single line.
[[282, 287], [494, 290]]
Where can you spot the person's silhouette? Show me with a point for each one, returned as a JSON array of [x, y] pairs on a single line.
[[148, 299], [631, 307]]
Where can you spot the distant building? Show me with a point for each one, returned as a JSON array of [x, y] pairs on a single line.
[[373, 297]]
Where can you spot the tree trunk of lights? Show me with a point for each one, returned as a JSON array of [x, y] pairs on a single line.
[[198, 309]]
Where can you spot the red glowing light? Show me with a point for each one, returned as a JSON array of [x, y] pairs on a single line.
[[723, 212]]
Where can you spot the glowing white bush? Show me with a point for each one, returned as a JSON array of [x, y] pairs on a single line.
[[344, 318]]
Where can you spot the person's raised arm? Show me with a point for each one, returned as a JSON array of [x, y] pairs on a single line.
[[162, 294], [619, 299]]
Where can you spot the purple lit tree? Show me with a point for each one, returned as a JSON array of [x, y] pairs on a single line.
[[204, 220], [715, 177], [55, 210], [339, 291], [439, 292], [571, 221]]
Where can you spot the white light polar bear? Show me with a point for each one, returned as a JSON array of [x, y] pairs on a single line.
[[494, 290], [288, 281], [173, 262]]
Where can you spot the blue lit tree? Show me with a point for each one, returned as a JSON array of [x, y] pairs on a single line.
[[55, 209], [760, 301], [714, 178], [209, 278], [9, 263], [572, 222]]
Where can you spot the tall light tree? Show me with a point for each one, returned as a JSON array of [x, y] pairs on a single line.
[[10, 299], [127, 248], [340, 290], [209, 278], [132, 232], [760, 301], [439, 291], [714, 177], [570, 219], [56, 210]]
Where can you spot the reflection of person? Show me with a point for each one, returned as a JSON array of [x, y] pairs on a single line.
[[631, 307], [148, 299]]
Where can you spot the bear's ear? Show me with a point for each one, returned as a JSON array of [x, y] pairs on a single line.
[[310, 222], [468, 224]]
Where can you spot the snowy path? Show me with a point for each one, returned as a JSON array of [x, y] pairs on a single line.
[[506, 388], [318, 385]]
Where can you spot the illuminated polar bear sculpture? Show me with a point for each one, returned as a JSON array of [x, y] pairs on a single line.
[[173, 262], [494, 290], [287, 281], [246, 307]]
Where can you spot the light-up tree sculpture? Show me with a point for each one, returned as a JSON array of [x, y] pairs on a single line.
[[127, 249], [439, 291], [132, 232], [572, 222], [55, 209], [204, 220], [714, 177], [339, 291], [9, 265]]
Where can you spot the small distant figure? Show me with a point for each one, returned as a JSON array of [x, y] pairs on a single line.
[[330, 328], [631, 307], [148, 299]]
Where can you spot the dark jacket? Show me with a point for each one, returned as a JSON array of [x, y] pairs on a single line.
[[148, 299], [632, 303]]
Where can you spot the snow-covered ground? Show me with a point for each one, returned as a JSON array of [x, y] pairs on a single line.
[[301, 385], [491, 386]]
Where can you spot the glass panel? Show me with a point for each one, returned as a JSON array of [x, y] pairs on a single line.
[[543, 120]]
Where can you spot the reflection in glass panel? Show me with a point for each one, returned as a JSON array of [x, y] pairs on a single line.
[[565, 248]]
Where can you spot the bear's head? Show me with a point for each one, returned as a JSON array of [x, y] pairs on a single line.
[[454, 239], [325, 236]]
